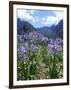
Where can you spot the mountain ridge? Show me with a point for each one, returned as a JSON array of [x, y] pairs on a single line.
[[55, 31]]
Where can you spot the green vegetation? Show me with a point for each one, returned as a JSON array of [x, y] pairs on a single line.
[[40, 65]]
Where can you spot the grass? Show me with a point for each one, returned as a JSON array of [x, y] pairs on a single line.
[[40, 65]]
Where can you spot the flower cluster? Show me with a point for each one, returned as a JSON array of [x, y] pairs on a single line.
[[35, 36], [25, 48], [31, 40], [55, 45]]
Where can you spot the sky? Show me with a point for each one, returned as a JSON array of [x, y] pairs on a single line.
[[40, 18]]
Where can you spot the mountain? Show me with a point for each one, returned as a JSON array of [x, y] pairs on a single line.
[[23, 27], [54, 31]]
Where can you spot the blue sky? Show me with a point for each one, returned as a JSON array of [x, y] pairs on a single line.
[[40, 18]]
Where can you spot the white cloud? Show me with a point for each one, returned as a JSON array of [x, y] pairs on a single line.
[[21, 13], [59, 16], [29, 15], [50, 20], [25, 14], [43, 19]]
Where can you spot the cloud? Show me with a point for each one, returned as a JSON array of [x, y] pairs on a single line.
[[25, 14], [59, 16], [21, 13], [50, 20], [36, 19]]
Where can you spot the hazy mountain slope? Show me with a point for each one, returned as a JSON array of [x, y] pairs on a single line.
[[55, 31]]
